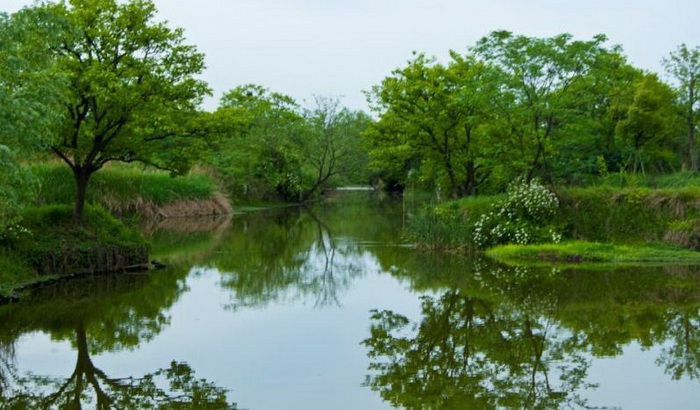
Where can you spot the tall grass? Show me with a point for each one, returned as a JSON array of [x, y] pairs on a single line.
[[48, 242], [448, 225], [121, 189]]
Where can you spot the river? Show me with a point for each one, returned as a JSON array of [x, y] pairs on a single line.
[[327, 308]]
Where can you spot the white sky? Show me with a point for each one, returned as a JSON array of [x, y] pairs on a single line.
[[341, 47]]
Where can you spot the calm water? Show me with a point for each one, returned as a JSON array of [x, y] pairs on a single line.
[[325, 308]]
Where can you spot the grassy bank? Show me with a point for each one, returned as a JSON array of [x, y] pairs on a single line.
[[47, 243], [636, 214], [129, 190], [594, 252]]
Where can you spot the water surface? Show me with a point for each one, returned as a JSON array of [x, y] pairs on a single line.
[[326, 307]]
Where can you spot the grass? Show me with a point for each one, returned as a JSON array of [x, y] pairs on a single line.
[[14, 272], [47, 243], [595, 252], [448, 225], [122, 188]]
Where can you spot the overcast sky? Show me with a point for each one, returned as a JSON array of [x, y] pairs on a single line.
[[341, 47]]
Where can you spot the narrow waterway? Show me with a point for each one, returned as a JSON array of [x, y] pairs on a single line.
[[327, 308]]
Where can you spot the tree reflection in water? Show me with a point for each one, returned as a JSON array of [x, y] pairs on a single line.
[[90, 387], [519, 337], [471, 353], [288, 256], [98, 314]]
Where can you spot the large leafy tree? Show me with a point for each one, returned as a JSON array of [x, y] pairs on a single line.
[[131, 90], [648, 125], [591, 144], [684, 66], [542, 74], [433, 119], [257, 149]]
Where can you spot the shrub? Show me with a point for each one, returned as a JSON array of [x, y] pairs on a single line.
[[525, 216]]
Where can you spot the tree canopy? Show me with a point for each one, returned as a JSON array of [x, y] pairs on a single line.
[[514, 106], [131, 87]]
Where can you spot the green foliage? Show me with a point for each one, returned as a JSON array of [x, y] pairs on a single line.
[[49, 241], [17, 188], [685, 233], [624, 215], [29, 88], [258, 153], [650, 125], [561, 109], [333, 151], [131, 90], [30, 80], [603, 213], [684, 65], [53, 224], [268, 148], [14, 271], [433, 121], [448, 225]]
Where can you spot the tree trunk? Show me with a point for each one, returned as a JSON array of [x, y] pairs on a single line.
[[471, 179], [82, 177]]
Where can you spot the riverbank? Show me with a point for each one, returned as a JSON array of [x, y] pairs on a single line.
[[47, 244], [606, 216], [130, 191]]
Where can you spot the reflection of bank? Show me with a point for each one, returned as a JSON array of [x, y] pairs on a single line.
[[100, 314], [518, 337]]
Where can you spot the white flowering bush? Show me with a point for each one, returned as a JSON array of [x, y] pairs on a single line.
[[524, 216]]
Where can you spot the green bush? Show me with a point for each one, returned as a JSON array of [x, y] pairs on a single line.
[[50, 226], [525, 216], [14, 271]]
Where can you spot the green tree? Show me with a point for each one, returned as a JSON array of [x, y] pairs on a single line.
[[684, 66], [333, 148], [600, 98], [259, 149], [542, 72], [432, 120], [649, 125], [132, 88]]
